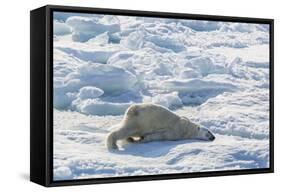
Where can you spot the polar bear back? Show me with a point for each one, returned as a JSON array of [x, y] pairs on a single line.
[[150, 118]]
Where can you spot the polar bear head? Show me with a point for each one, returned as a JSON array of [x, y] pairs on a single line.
[[205, 134], [194, 131]]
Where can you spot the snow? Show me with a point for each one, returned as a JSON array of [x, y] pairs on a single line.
[[89, 92], [62, 173], [214, 73], [108, 78], [169, 100], [80, 147], [99, 107], [85, 28], [61, 28], [91, 56], [202, 25], [141, 39], [196, 85]]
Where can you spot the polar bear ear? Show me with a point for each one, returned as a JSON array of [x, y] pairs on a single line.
[[185, 118]]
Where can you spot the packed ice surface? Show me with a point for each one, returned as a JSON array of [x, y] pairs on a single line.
[[214, 73]]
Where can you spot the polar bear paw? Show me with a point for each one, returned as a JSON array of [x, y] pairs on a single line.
[[111, 142]]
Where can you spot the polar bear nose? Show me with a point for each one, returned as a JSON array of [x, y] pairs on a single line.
[[212, 138]]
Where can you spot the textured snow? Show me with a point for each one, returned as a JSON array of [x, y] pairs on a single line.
[[61, 28], [85, 28], [214, 73], [89, 92]]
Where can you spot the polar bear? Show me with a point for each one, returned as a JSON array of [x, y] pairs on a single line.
[[150, 122]]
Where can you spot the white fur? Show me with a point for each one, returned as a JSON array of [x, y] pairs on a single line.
[[150, 122]]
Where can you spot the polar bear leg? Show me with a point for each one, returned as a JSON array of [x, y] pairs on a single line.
[[111, 141], [123, 132], [158, 136]]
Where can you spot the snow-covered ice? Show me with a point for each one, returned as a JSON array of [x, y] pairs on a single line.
[[214, 73]]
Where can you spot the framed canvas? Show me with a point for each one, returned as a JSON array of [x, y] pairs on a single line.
[[125, 95]]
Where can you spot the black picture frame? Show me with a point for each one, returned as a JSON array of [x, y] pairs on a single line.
[[41, 94]]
